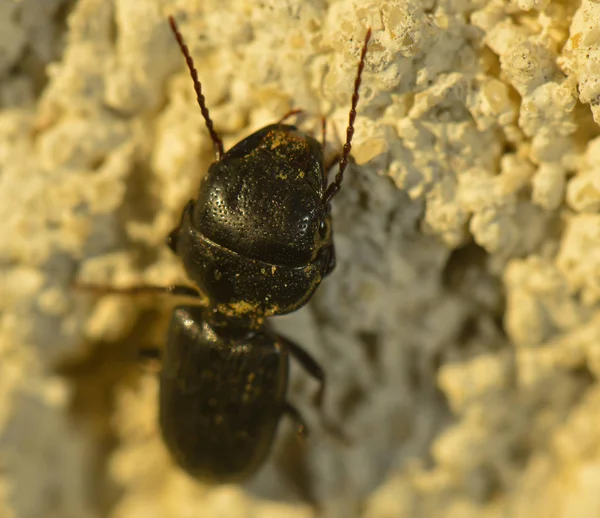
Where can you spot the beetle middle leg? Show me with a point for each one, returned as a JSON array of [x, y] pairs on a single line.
[[310, 365], [150, 358]]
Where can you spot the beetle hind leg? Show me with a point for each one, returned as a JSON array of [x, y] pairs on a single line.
[[292, 412], [310, 365]]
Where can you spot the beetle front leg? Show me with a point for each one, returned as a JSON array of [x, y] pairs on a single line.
[[310, 365]]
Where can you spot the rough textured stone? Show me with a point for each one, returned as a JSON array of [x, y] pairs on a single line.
[[461, 330]]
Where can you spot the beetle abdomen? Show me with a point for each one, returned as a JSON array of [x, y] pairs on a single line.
[[220, 402]]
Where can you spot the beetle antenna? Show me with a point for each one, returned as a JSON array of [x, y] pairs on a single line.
[[333, 189], [217, 142]]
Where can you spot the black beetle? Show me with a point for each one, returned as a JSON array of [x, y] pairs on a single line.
[[256, 242]]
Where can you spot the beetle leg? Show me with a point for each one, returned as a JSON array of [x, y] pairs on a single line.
[[176, 289], [333, 430], [289, 114], [313, 368], [310, 365], [292, 412]]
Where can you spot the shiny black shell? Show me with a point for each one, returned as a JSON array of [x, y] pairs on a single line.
[[222, 393], [258, 241]]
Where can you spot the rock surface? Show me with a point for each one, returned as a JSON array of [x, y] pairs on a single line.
[[460, 331]]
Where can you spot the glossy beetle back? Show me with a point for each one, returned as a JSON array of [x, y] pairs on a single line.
[[222, 390]]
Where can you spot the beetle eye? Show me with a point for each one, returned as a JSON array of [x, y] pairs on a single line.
[[323, 229]]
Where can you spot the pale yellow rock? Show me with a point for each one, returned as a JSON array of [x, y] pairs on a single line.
[[460, 332], [548, 186]]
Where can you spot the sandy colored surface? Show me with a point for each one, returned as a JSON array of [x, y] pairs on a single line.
[[461, 330]]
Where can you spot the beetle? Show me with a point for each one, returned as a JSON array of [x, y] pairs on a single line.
[[256, 242], [258, 239]]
